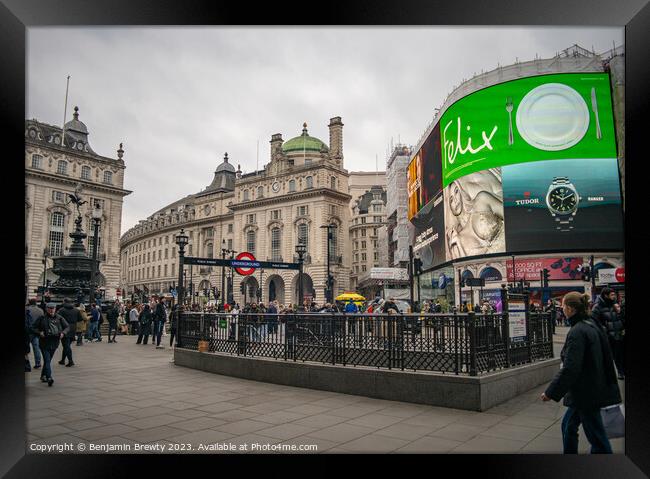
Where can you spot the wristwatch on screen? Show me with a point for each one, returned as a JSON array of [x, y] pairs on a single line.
[[562, 201]]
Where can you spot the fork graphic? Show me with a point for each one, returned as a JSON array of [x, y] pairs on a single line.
[[511, 138]]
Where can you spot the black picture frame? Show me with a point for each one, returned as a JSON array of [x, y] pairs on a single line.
[[17, 15]]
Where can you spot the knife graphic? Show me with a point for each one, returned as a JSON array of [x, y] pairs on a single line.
[[594, 107]]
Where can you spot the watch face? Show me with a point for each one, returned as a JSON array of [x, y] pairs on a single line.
[[562, 199], [276, 186]]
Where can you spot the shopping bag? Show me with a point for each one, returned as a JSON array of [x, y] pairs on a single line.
[[223, 323], [614, 421]]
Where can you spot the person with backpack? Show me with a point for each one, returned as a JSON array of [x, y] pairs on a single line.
[[35, 313], [145, 325], [587, 379], [50, 329], [72, 317]]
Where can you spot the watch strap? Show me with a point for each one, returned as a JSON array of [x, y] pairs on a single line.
[[564, 222]]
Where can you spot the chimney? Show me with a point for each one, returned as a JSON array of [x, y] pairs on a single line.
[[336, 138], [276, 144]]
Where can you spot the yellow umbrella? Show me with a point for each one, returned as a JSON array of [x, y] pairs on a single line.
[[350, 296]]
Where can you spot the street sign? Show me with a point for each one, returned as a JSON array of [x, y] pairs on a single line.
[[244, 257], [517, 320], [474, 282], [234, 263]]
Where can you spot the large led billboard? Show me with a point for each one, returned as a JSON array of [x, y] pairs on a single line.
[[525, 165]]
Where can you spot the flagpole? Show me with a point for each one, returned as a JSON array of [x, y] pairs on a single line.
[[65, 112]]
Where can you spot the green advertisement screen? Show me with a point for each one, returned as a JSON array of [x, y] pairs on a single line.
[[547, 117]]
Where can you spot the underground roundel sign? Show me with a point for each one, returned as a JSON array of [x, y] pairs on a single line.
[[245, 256]]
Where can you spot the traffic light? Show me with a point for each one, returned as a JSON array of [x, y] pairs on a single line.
[[545, 277], [417, 266]]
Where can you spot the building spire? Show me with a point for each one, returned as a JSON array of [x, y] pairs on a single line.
[[225, 157], [304, 129], [75, 115]]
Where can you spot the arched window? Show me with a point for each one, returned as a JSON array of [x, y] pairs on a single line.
[[292, 185], [333, 242], [260, 191], [467, 274], [209, 252], [108, 177], [491, 274], [303, 234], [62, 167], [246, 197], [250, 241], [276, 244], [57, 222], [309, 182], [85, 172]]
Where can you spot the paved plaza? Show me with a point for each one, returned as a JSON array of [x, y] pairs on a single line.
[[130, 395]]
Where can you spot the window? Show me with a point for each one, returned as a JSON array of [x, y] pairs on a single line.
[[309, 182], [308, 161], [173, 252], [246, 198], [230, 243], [250, 219], [159, 254], [85, 172], [166, 239], [334, 210], [56, 234], [292, 185], [303, 234], [190, 250], [209, 233], [276, 253], [363, 267], [37, 161], [377, 219], [363, 220], [303, 210], [159, 271], [356, 269], [62, 168], [230, 228], [209, 250], [376, 255], [260, 191], [165, 270], [57, 196], [333, 182], [276, 214], [356, 257], [363, 245], [364, 257], [166, 253], [363, 232], [173, 269], [149, 257], [374, 233], [334, 244], [250, 242]]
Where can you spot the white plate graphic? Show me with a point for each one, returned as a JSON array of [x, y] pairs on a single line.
[[552, 117]]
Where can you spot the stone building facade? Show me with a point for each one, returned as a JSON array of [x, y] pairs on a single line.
[[303, 187], [368, 216], [55, 167]]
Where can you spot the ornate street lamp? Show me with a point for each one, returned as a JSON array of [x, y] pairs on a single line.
[[97, 219], [181, 241], [301, 249]]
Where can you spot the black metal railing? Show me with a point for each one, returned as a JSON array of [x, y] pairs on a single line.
[[463, 343]]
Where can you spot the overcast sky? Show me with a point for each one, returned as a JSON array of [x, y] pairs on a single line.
[[178, 98]]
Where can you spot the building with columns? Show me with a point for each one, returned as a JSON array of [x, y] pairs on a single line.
[[303, 186], [54, 167]]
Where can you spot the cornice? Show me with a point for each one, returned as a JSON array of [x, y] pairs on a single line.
[[74, 153], [70, 181], [166, 229], [292, 171], [299, 195]]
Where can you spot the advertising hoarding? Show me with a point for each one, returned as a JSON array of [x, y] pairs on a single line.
[[526, 165], [429, 225], [545, 117], [559, 268]]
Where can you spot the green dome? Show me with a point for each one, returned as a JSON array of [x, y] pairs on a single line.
[[304, 142]]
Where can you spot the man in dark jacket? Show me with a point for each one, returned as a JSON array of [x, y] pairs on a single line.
[[111, 315], [606, 312], [50, 328], [159, 317], [71, 316], [35, 313], [587, 379]]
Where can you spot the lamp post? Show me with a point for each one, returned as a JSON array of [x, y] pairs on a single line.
[[46, 254], [181, 240], [224, 252], [259, 294], [330, 235], [97, 218], [301, 249]]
